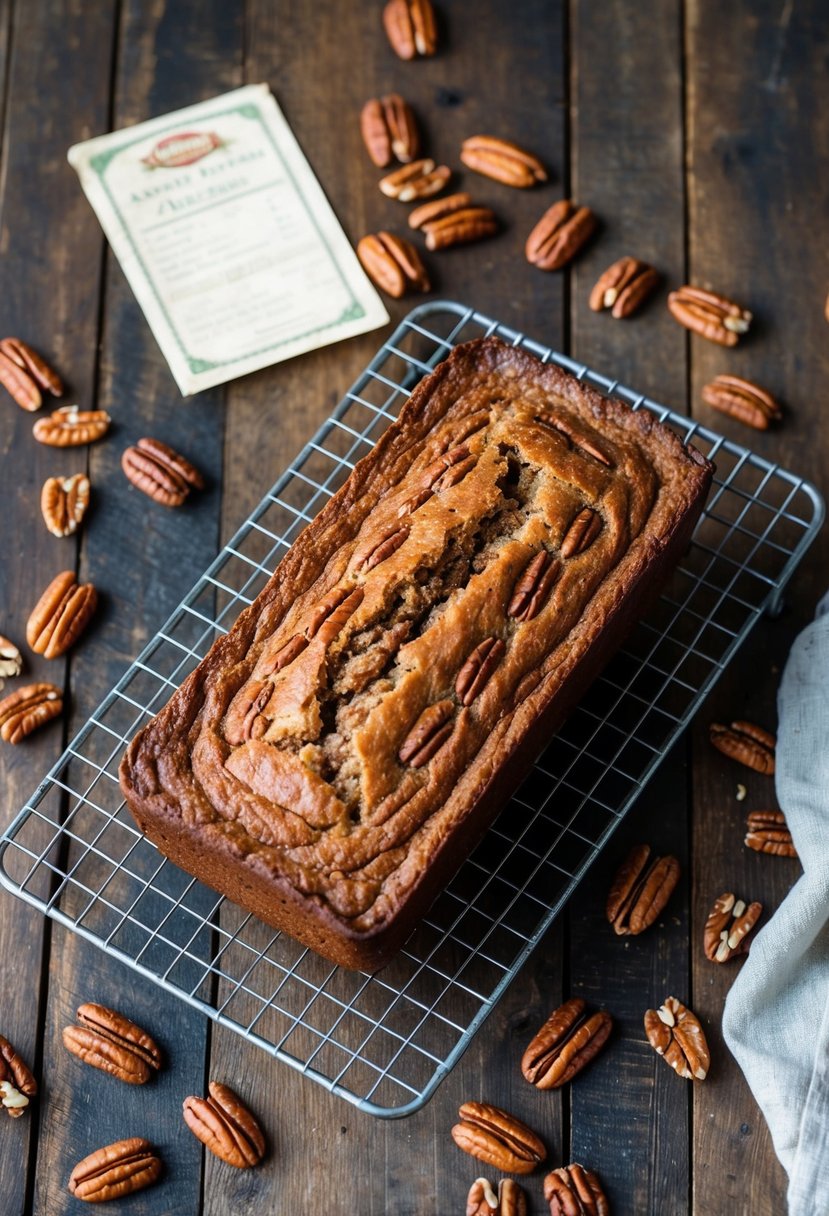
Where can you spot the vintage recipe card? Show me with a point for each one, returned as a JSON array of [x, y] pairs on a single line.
[[226, 237]]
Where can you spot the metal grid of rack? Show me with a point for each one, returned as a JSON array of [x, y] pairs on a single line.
[[384, 1042]]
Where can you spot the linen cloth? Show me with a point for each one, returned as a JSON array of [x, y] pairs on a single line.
[[776, 1019]]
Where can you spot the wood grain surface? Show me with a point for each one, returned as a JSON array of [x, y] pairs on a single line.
[[696, 132]]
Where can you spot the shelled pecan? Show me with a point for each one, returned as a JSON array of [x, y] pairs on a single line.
[[11, 660], [564, 1045], [115, 1171], [767, 832], [502, 160], [420, 179], [60, 615], [728, 927], [428, 735], [474, 676], [17, 1084], [675, 1033], [581, 532], [160, 472], [410, 27], [640, 890], [23, 373], [71, 427], [109, 1041], [225, 1126], [393, 264], [624, 287], [27, 708], [534, 586], [743, 400], [743, 741], [494, 1136], [482, 1199], [438, 208], [457, 225], [389, 130], [559, 235], [575, 1191], [63, 503], [710, 315]]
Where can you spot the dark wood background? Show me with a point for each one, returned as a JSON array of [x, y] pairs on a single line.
[[697, 131]]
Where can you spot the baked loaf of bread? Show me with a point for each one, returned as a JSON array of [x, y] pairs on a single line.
[[335, 756]]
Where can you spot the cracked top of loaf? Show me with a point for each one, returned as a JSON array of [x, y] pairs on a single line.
[[336, 736]]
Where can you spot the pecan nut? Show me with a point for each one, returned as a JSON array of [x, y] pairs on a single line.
[[624, 287], [502, 160], [389, 130], [564, 1045], [709, 314], [767, 832], [420, 179], [428, 735], [460, 227], [25, 709], [534, 586], [675, 1033], [60, 615], [381, 550], [728, 927], [63, 503], [483, 1201], [109, 1041], [743, 400], [438, 208], [160, 472], [640, 890], [71, 427], [392, 263], [474, 676], [744, 741], [225, 1126], [559, 235], [410, 27], [17, 1085], [580, 442], [581, 532], [492, 1135], [117, 1170], [575, 1191], [23, 373], [11, 660]]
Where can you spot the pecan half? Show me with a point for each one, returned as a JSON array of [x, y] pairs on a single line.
[[11, 660], [581, 533], [502, 160], [473, 677], [389, 130], [383, 548], [483, 1201], [420, 179], [117, 1170], [393, 264], [460, 227], [575, 1191], [743, 400], [564, 1045], [245, 719], [709, 314], [63, 503], [744, 741], [225, 1125], [624, 287], [24, 374], [333, 611], [109, 1041], [428, 735], [675, 1033], [492, 1135], [435, 475], [438, 208], [60, 615], [640, 890], [25, 709], [160, 472], [17, 1085], [534, 586], [728, 927], [767, 832], [286, 654], [410, 27], [71, 427], [572, 440], [559, 235]]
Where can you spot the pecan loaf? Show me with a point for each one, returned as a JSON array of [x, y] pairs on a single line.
[[336, 755]]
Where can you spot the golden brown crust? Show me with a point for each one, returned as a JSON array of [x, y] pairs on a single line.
[[440, 614]]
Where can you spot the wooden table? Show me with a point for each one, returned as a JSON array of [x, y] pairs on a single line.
[[696, 132]]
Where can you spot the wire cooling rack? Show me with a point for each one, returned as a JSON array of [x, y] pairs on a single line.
[[384, 1042]]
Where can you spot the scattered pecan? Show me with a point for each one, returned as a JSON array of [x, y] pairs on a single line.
[[435, 474], [428, 735], [420, 179], [286, 654], [109, 1041], [767, 832], [744, 741], [11, 660], [245, 718], [743, 400], [332, 612], [473, 677], [640, 890], [224, 1125], [624, 287], [383, 548], [60, 615], [728, 927], [460, 227], [17, 1085], [438, 208], [410, 27], [502, 160], [559, 235], [492, 1135], [70, 427], [389, 130], [117, 1170], [63, 503], [534, 586], [24, 374], [160, 472], [393, 264], [25, 709], [483, 1201], [675, 1033], [564, 1045], [581, 533], [709, 314], [575, 1191], [571, 439]]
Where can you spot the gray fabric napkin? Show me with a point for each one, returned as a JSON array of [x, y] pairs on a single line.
[[776, 1019]]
